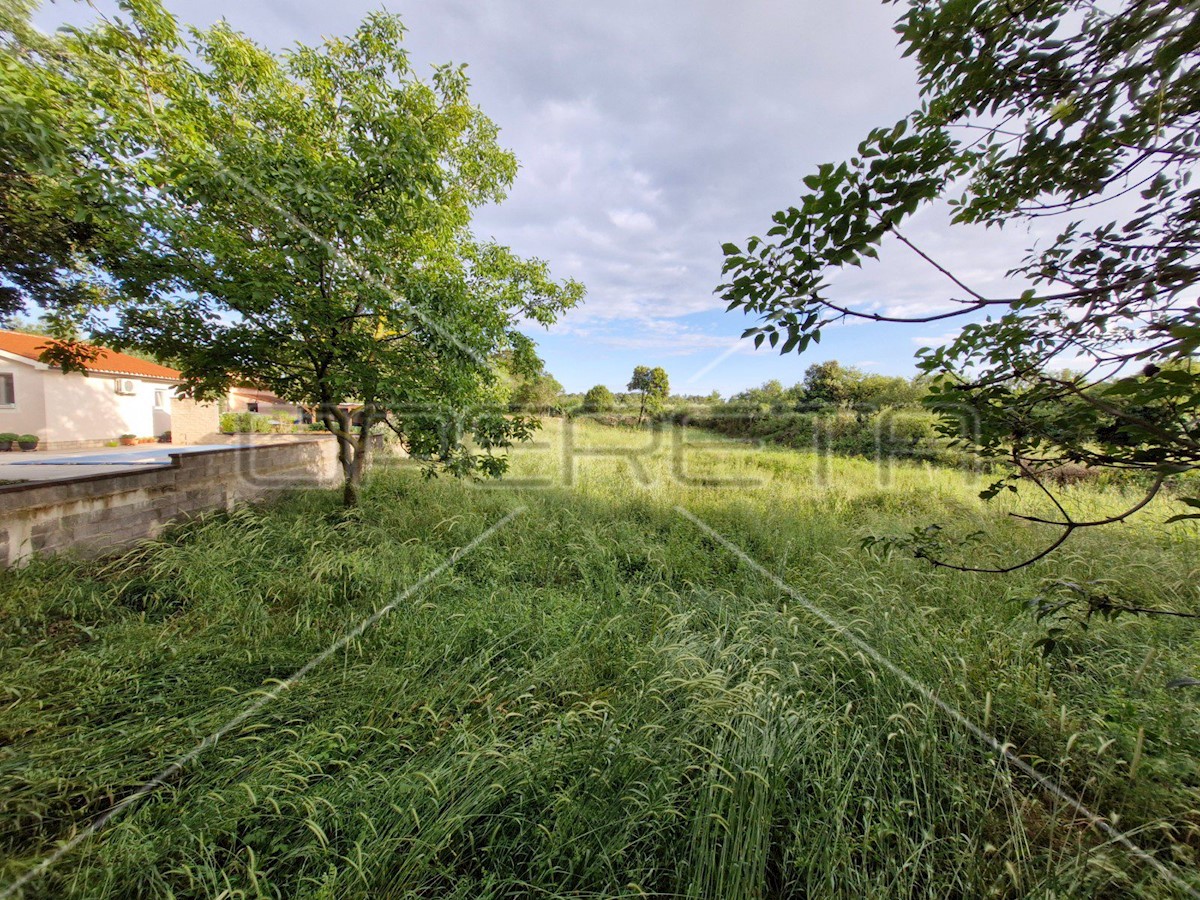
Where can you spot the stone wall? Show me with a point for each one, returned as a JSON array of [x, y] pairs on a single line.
[[98, 513]]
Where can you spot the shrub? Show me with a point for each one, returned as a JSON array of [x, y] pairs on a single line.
[[245, 423], [27, 439], [7, 437], [598, 400]]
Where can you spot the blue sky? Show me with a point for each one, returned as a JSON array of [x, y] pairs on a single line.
[[649, 133]]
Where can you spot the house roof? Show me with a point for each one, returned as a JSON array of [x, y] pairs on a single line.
[[246, 392], [108, 362]]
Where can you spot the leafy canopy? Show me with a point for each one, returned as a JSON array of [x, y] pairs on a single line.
[[537, 394], [652, 384], [63, 196], [305, 227], [1080, 114], [599, 399]]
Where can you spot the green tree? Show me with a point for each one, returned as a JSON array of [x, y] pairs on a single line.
[[27, 326], [877, 391], [830, 383], [653, 385], [65, 133], [539, 393], [599, 399], [1069, 110], [307, 229]]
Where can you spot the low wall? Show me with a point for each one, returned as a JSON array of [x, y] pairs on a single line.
[[97, 513]]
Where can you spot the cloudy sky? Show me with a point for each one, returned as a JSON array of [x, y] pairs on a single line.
[[649, 133]]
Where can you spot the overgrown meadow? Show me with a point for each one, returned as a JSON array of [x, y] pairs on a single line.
[[601, 700]]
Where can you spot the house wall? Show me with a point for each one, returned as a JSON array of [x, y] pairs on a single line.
[[70, 410], [194, 423], [88, 408], [239, 400], [29, 414], [99, 513]]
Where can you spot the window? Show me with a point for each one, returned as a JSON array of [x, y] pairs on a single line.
[[160, 399], [8, 396], [252, 406]]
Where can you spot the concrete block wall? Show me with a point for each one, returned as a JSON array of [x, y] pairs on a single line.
[[98, 513], [193, 422]]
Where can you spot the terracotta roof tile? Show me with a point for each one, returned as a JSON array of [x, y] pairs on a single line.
[[108, 362]]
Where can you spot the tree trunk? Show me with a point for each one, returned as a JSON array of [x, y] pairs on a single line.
[[361, 451], [337, 420], [350, 490], [642, 410]]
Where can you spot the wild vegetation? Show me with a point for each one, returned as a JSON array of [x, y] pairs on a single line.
[[1077, 119], [656, 661], [601, 699], [836, 408]]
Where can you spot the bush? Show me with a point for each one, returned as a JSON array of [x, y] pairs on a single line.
[[245, 423], [598, 400], [28, 439], [7, 437], [890, 433]]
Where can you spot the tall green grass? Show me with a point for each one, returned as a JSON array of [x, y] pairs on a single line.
[[599, 701]]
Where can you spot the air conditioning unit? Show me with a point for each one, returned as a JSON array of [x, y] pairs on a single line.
[[126, 386]]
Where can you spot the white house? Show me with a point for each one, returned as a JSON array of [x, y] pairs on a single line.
[[118, 395]]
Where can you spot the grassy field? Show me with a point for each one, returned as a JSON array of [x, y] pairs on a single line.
[[600, 699]]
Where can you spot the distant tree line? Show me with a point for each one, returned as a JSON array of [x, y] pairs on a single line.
[[835, 408]]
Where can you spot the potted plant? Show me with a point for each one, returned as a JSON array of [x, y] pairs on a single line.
[[27, 441], [6, 440], [127, 440]]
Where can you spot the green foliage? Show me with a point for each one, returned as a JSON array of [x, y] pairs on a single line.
[[304, 225], [57, 207], [889, 433], [599, 399], [653, 386], [27, 439], [597, 696], [245, 423], [827, 382], [1039, 110], [27, 326], [536, 394], [836, 409], [8, 437]]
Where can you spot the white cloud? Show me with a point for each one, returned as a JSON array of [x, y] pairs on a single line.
[[939, 340], [631, 220], [651, 133]]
